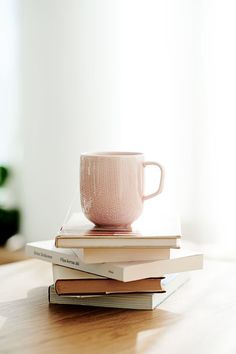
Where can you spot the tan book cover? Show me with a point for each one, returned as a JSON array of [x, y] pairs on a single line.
[[73, 282], [96, 238], [139, 301], [77, 232]]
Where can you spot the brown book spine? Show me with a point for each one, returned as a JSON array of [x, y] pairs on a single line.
[[105, 286]]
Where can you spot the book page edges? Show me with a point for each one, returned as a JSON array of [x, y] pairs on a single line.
[[144, 242], [177, 265]]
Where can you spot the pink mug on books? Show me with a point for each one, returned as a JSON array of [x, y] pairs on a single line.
[[112, 187]]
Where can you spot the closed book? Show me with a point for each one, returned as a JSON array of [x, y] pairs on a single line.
[[74, 282], [180, 261], [94, 238], [77, 233], [137, 301], [102, 255]]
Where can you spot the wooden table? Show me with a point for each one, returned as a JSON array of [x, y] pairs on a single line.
[[199, 318], [7, 256]]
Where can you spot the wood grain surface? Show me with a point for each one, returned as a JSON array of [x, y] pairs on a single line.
[[199, 318], [7, 256]]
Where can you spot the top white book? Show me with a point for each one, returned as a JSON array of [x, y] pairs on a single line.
[[77, 234]]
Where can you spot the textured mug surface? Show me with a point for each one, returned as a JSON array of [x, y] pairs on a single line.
[[112, 187]]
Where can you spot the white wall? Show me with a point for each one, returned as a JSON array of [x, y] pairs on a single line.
[[162, 95], [10, 147], [100, 75], [149, 75], [69, 101], [216, 199], [8, 77]]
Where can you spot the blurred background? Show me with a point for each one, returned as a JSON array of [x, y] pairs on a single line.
[[94, 75]]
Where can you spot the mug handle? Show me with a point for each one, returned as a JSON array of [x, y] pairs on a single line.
[[161, 183]]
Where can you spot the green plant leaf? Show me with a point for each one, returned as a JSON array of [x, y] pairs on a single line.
[[4, 173]]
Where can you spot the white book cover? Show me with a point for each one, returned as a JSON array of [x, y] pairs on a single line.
[[60, 272], [180, 261]]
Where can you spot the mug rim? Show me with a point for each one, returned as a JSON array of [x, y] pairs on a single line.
[[112, 154]]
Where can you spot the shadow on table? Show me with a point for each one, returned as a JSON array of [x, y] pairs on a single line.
[[33, 323]]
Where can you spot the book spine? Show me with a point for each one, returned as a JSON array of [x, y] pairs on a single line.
[[101, 301], [49, 294], [69, 242], [72, 261]]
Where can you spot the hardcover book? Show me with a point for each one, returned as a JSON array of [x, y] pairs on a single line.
[[180, 261], [81, 235], [144, 301], [74, 282], [106, 239]]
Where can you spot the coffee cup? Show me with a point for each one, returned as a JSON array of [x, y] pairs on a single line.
[[112, 187]]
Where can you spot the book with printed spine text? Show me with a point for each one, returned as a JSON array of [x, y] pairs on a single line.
[[179, 261]]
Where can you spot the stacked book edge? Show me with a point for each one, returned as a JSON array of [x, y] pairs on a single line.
[[114, 268], [136, 301]]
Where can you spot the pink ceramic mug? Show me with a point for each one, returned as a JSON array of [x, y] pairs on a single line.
[[112, 187]]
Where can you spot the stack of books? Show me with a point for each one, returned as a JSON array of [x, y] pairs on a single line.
[[114, 268]]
